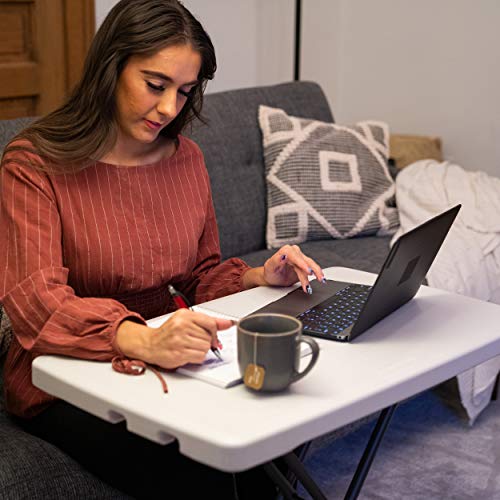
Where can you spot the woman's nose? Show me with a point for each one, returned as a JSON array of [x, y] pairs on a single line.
[[167, 105]]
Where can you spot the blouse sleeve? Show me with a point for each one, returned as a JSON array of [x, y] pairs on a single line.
[[210, 278], [46, 315]]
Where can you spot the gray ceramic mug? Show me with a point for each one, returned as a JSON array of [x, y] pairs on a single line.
[[269, 351]]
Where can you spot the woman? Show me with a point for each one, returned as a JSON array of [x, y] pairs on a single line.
[[105, 204]]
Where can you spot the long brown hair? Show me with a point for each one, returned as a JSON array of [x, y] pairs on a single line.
[[84, 126]]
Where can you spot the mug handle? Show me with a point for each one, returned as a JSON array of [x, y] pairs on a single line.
[[315, 353]]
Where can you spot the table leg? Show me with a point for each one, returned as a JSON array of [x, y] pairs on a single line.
[[287, 490], [296, 466], [296, 471], [369, 453], [299, 472], [301, 452]]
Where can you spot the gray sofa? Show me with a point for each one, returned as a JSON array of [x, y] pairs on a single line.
[[231, 142]]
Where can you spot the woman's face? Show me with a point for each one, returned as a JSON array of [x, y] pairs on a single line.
[[151, 92]]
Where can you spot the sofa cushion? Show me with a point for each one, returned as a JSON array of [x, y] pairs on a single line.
[[365, 253], [325, 180], [32, 468], [236, 163], [2, 361], [5, 332], [9, 128]]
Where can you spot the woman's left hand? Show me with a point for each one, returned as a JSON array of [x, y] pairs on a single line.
[[287, 266]]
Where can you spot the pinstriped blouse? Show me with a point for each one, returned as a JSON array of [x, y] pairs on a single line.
[[82, 252]]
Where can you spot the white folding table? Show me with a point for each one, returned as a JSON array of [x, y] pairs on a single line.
[[432, 338]]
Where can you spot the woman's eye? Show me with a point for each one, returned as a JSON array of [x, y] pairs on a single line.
[[157, 88], [186, 93]]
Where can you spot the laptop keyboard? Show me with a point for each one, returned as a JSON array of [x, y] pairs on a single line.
[[331, 317]]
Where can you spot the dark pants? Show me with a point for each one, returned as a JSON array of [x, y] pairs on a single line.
[[137, 466]]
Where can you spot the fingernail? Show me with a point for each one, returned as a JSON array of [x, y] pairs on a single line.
[[309, 289], [219, 345], [323, 280], [283, 257]]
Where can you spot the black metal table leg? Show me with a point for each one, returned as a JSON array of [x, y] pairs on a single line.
[[297, 467], [300, 452], [281, 481], [369, 453], [299, 472]]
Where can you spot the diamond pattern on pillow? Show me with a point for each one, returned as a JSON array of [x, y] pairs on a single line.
[[325, 180]]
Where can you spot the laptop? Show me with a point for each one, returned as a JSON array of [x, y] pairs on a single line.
[[342, 311]]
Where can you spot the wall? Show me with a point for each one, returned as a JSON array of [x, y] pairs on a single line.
[[426, 67], [102, 7], [245, 34]]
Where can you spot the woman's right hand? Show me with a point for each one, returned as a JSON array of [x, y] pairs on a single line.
[[184, 338]]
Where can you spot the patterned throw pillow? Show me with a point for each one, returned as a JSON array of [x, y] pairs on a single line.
[[325, 180]]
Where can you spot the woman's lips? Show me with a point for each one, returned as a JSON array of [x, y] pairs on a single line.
[[152, 125]]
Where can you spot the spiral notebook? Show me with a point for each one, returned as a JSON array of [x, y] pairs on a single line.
[[222, 373]]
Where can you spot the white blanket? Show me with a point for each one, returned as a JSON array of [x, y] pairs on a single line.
[[468, 263]]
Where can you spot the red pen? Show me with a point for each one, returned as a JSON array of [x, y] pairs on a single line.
[[179, 299], [182, 303]]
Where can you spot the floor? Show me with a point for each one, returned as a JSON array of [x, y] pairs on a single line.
[[429, 452]]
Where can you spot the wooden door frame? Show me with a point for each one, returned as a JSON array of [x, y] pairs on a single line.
[[65, 50], [79, 20], [42, 56]]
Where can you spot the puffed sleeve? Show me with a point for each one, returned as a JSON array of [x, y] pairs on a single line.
[[210, 278], [46, 314]]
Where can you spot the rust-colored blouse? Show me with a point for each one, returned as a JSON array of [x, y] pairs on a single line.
[[82, 252]]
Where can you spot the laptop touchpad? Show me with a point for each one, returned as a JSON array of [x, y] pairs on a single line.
[[297, 302]]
